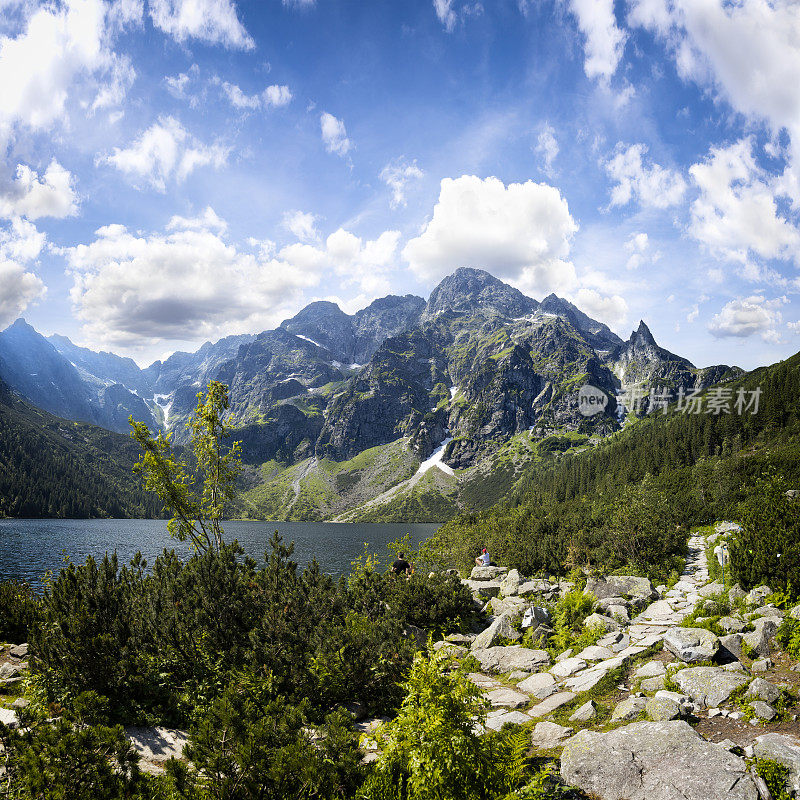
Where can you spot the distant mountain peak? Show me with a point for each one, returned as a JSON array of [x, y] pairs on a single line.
[[474, 290], [643, 334]]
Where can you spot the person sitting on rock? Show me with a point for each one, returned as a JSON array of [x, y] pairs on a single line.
[[483, 559], [401, 566]]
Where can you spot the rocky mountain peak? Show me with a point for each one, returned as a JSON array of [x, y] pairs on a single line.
[[643, 336], [600, 336], [470, 290]]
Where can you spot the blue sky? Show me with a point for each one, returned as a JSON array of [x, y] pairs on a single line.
[[179, 170]]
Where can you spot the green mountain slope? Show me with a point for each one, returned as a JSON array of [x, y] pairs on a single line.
[[657, 473], [50, 467]]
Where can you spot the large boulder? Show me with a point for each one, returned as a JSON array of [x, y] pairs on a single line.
[[501, 628], [547, 735], [620, 586], [783, 748], [709, 686], [654, 761], [538, 685], [506, 605], [764, 690], [510, 658], [487, 573], [757, 596], [485, 588], [509, 585], [691, 644], [764, 629], [603, 623]]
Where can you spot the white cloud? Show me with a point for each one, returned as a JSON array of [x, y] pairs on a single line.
[[612, 310], [18, 289], [694, 313], [652, 184], [138, 290], [62, 53], [547, 148], [33, 197], [19, 242], [748, 316], [212, 21], [274, 95], [638, 246], [736, 214], [208, 220], [299, 3], [165, 151], [520, 232], [334, 134], [302, 225], [604, 41], [444, 11], [397, 175]]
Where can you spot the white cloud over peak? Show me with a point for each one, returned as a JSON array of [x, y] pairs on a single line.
[[635, 178], [612, 309], [334, 134], [749, 316], [604, 40], [397, 175], [212, 21], [520, 233], [31, 196], [20, 242], [736, 214], [165, 151], [63, 51]]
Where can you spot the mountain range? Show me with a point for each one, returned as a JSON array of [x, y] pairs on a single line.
[[406, 409]]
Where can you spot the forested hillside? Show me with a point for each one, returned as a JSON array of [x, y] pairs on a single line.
[[621, 502], [53, 468]]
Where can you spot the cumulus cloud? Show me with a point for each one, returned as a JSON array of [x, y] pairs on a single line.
[[212, 21], [397, 175], [749, 316], [638, 247], [520, 232], [736, 214], [334, 134], [275, 96], [604, 40], [449, 15], [547, 148], [165, 151], [62, 52], [190, 282], [20, 242], [302, 225], [638, 178], [29, 195], [611, 309]]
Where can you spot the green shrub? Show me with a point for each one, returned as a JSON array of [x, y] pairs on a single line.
[[776, 777], [18, 610], [788, 635]]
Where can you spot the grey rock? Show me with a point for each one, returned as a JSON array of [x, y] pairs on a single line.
[[628, 709], [551, 704], [461, 638], [650, 685], [510, 658], [535, 616], [755, 597], [691, 644], [538, 586], [156, 746], [487, 573], [548, 735], [506, 698], [585, 713], [652, 669], [485, 588], [455, 650], [709, 686], [764, 629], [501, 628], [710, 589], [784, 749], [795, 612], [518, 675], [732, 645], [654, 761], [510, 583], [760, 665], [620, 586], [731, 624], [661, 709], [12, 670], [19, 651], [607, 602], [596, 653], [736, 593], [764, 690], [496, 721], [540, 685], [509, 605], [20, 702], [567, 667], [763, 711]]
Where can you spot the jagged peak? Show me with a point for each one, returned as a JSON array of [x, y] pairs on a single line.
[[643, 334]]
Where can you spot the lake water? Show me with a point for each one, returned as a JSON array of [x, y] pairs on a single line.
[[31, 547]]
